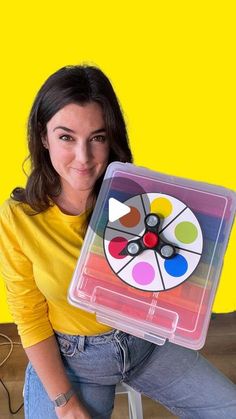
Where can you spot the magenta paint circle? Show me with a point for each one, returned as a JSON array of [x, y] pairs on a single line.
[[143, 273]]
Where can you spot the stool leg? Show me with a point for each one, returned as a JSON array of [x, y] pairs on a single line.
[[135, 404]]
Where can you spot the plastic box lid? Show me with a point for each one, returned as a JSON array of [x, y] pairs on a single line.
[[154, 271]]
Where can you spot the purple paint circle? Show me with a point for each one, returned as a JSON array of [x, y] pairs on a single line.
[[143, 273]]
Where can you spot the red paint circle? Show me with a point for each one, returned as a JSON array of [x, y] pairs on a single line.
[[116, 245]]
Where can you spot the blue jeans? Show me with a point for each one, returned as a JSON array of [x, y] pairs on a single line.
[[181, 379]]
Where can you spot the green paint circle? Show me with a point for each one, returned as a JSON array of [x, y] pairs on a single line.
[[186, 232]]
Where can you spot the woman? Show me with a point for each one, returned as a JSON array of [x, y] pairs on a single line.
[[75, 129]]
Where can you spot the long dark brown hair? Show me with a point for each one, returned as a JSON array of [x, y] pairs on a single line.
[[78, 84]]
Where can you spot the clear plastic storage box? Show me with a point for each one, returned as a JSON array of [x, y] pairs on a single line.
[[153, 252]]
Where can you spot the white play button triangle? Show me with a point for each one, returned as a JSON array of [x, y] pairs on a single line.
[[116, 209]]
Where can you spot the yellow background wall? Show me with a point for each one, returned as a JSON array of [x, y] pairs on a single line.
[[172, 64]]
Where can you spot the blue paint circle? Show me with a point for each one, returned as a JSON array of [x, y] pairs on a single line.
[[176, 266]]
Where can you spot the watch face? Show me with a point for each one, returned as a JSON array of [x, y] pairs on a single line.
[[61, 400]]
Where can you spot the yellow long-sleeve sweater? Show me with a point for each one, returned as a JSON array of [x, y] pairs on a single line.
[[38, 254]]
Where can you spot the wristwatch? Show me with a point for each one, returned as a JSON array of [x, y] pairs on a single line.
[[63, 398]]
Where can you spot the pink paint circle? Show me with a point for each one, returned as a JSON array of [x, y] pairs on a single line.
[[143, 273], [116, 245]]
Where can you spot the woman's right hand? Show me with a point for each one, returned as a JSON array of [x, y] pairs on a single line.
[[72, 410]]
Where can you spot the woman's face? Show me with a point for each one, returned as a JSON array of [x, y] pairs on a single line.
[[78, 145]]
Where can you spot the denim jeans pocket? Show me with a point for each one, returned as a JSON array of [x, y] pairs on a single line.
[[67, 348]]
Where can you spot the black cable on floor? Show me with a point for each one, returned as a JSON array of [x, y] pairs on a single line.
[[9, 400]]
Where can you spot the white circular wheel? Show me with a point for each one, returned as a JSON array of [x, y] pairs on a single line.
[[150, 271]]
